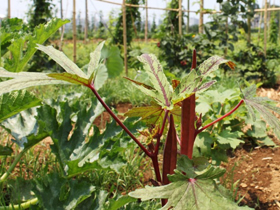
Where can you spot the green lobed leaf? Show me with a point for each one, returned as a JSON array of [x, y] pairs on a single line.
[[60, 58], [231, 138], [72, 78], [23, 80], [212, 64], [15, 102], [94, 60], [113, 60], [29, 42], [120, 202], [185, 88], [158, 80], [59, 193], [25, 129], [264, 107], [101, 76], [188, 195]]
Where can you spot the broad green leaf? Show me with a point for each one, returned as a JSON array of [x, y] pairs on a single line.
[[72, 78], [231, 138], [100, 150], [5, 150], [120, 202], [15, 102], [20, 190], [184, 193], [29, 42], [60, 58], [101, 76], [23, 80], [96, 201], [58, 193], [264, 107], [202, 145], [25, 129], [157, 79], [212, 64], [94, 59], [113, 60]]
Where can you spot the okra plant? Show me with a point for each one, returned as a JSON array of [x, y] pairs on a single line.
[[185, 182]]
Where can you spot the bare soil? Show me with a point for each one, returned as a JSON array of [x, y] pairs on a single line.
[[256, 171]]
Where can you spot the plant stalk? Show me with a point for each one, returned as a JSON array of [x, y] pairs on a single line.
[[24, 205], [11, 168], [156, 167], [219, 119], [118, 121]]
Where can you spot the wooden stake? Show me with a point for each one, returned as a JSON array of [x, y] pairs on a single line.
[[9, 9], [180, 17], [124, 37], [62, 27], [201, 17], [146, 22], [260, 24], [265, 27], [86, 22], [74, 31], [188, 19]]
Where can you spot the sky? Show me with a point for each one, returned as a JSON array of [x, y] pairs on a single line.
[[19, 8]]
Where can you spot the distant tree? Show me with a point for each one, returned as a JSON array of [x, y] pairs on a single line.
[[101, 31], [273, 30], [132, 17], [79, 25], [40, 12], [154, 25]]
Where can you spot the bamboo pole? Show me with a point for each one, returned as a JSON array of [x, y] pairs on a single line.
[[146, 22], [74, 31], [188, 19], [249, 31], [279, 27], [226, 48], [86, 21], [265, 27], [124, 37], [260, 23], [180, 17], [9, 9], [62, 27], [201, 17]]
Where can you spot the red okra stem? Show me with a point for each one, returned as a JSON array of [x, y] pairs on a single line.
[[154, 158], [118, 121], [161, 131], [219, 119]]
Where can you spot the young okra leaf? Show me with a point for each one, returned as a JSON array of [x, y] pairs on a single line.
[[185, 193], [212, 64], [163, 90], [263, 106], [72, 78]]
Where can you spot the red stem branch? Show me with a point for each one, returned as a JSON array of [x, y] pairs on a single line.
[[219, 119], [118, 121]]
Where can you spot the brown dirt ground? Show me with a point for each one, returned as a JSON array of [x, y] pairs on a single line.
[[256, 170]]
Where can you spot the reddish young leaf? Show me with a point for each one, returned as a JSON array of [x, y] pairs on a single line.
[[170, 152]]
